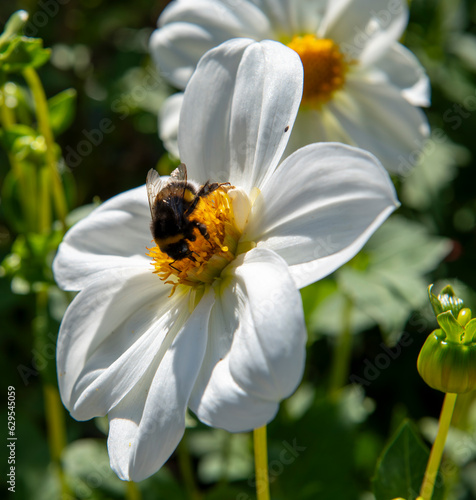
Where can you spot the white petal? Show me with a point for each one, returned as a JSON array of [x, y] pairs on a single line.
[[113, 236], [267, 353], [176, 49], [189, 29], [314, 125], [169, 116], [291, 17], [403, 70], [238, 111], [256, 349], [124, 421], [320, 207], [364, 28], [145, 428], [120, 361], [109, 327], [379, 119], [223, 404], [238, 18]]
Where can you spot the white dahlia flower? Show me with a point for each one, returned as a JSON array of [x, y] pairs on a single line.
[[220, 331], [361, 87]]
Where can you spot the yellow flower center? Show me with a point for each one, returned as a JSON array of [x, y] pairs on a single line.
[[324, 65], [211, 253]]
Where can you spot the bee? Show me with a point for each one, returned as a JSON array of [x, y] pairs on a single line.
[[171, 203]]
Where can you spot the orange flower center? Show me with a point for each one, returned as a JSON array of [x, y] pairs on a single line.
[[210, 254], [324, 65]]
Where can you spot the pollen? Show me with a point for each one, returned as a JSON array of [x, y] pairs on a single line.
[[325, 68], [211, 253]]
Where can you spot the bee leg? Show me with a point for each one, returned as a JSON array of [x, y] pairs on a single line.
[[209, 187], [178, 270], [188, 256], [191, 257], [203, 230]]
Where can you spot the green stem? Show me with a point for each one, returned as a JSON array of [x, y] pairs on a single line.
[[261, 463], [44, 206], [54, 415], [54, 411], [187, 471], [226, 452], [132, 491], [437, 449], [342, 353], [7, 119], [42, 115]]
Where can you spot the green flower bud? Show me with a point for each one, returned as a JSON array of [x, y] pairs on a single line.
[[28, 148], [464, 316], [445, 301], [447, 360], [13, 26]]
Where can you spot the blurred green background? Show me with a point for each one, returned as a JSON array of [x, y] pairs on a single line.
[[99, 49]]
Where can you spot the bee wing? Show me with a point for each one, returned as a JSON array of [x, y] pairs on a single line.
[[180, 173], [154, 184]]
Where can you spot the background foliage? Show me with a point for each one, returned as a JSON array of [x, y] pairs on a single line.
[[366, 322]]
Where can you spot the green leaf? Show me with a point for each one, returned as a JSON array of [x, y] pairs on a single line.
[[463, 45], [437, 168], [11, 207], [22, 53], [401, 467], [450, 326], [8, 137], [328, 317], [392, 285], [403, 245], [435, 303], [470, 334], [208, 446], [62, 110], [385, 281], [30, 259], [313, 457], [87, 468]]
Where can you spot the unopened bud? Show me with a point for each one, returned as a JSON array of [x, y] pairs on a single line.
[[447, 360]]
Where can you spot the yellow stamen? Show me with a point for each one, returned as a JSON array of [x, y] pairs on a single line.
[[324, 65], [208, 255]]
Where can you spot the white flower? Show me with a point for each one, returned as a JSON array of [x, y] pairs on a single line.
[[360, 85], [222, 333]]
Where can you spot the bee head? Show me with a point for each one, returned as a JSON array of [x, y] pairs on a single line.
[[178, 250]]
